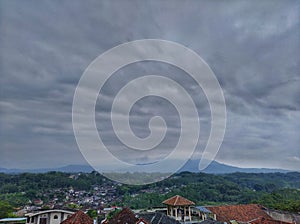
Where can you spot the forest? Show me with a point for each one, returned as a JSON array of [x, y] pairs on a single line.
[[273, 190]]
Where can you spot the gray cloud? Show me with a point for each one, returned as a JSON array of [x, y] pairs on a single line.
[[252, 47]]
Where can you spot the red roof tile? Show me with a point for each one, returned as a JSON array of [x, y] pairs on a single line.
[[239, 213], [79, 218], [125, 216], [178, 201], [141, 220]]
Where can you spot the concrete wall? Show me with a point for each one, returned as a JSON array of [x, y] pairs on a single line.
[[53, 217], [56, 217], [284, 216]]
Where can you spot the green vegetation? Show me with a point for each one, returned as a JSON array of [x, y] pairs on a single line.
[[5, 209], [92, 213], [275, 190], [284, 199], [112, 214]]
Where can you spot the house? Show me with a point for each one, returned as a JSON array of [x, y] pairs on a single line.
[[266, 221], [203, 213], [283, 216], [209, 221], [55, 216], [78, 218], [248, 214], [126, 216], [179, 208], [38, 202], [158, 218]]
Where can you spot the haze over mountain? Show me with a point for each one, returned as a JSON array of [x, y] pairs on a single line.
[[191, 166], [219, 168]]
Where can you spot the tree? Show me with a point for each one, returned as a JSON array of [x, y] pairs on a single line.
[[5, 209], [92, 213]]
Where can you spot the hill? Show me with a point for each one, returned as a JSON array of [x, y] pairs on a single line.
[[221, 168], [191, 166]]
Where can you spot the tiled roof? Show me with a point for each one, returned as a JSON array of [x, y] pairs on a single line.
[[125, 216], [178, 201], [142, 221], [240, 213], [211, 222], [158, 218], [79, 218], [202, 209]]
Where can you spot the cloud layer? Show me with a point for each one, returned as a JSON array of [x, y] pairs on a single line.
[[252, 47]]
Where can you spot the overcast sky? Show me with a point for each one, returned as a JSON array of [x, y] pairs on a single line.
[[252, 47]]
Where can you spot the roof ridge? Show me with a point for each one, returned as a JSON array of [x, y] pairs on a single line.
[[177, 196], [79, 216], [160, 219]]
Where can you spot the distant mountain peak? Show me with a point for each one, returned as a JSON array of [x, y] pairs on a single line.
[[220, 168], [191, 166]]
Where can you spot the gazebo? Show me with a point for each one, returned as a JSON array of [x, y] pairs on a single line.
[[179, 207]]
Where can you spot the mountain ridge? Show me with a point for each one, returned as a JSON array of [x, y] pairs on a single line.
[[220, 168], [191, 166]]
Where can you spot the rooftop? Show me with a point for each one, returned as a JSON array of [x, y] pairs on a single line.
[[239, 213], [125, 216], [12, 219], [178, 201], [158, 218], [266, 221], [79, 218]]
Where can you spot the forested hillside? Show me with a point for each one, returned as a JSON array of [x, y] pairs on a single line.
[[274, 190]]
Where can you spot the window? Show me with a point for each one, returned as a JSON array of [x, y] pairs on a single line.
[[55, 217], [43, 220]]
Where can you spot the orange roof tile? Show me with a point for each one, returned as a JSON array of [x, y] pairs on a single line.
[[141, 220], [178, 201], [239, 213], [79, 218], [125, 216]]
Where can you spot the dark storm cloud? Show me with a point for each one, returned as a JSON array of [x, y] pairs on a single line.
[[252, 47]]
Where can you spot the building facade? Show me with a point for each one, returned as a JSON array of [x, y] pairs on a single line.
[[48, 216]]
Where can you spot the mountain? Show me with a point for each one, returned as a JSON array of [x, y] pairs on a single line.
[[191, 166], [220, 168], [76, 169], [65, 169]]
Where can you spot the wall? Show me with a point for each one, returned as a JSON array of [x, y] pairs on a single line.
[[284, 216]]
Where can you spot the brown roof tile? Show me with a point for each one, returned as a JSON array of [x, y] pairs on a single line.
[[178, 201], [141, 220], [240, 213], [79, 218], [124, 216]]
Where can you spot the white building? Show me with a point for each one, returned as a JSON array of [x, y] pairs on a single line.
[[55, 216]]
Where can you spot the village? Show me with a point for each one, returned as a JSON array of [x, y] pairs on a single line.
[[176, 209], [76, 201]]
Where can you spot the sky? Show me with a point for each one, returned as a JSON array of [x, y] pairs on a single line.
[[252, 47]]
